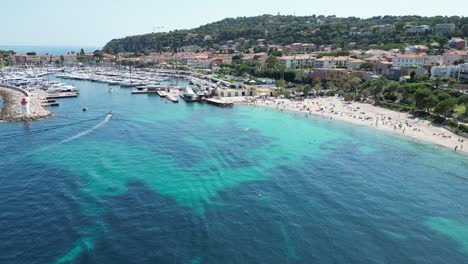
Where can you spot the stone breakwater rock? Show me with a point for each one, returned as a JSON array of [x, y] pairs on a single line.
[[12, 108]]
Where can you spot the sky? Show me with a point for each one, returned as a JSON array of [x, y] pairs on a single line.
[[95, 22]]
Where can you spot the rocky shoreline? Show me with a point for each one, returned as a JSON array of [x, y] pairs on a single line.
[[12, 109]]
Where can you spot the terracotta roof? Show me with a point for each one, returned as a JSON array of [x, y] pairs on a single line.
[[410, 56]]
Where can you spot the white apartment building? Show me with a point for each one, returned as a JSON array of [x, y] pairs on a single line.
[[409, 60], [417, 29], [332, 62], [297, 61]]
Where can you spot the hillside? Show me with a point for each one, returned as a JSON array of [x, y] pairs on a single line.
[[283, 30]]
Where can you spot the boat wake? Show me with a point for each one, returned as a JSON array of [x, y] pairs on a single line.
[[84, 133]]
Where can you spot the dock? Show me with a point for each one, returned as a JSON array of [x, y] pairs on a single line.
[[61, 95], [146, 91], [218, 102], [50, 104]]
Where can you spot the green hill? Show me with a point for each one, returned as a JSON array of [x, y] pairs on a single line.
[[283, 30]]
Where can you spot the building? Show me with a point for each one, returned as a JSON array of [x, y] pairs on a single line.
[[444, 28], [297, 61], [417, 29], [327, 74], [332, 62], [416, 49], [383, 28], [455, 55], [354, 64], [463, 76], [446, 71], [248, 90], [457, 43], [432, 60], [409, 60], [23, 59], [399, 73], [70, 59], [382, 67], [297, 47]]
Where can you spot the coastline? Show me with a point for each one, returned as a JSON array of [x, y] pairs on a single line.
[[369, 116]]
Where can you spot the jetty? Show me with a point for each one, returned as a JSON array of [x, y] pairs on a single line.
[[218, 102], [20, 106], [144, 91], [62, 95]]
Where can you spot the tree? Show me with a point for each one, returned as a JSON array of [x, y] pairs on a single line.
[[464, 101], [354, 86], [389, 91], [280, 83], [460, 61], [305, 89], [443, 96], [424, 99], [376, 87], [403, 90], [436, 82], [445, 106], [31, 53], [271, 62], [412, 76], [98, 55], [317, 84], [82, 53], [331, 85], [366, 66]]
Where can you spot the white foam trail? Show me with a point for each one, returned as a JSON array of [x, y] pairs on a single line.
[[84, 133]]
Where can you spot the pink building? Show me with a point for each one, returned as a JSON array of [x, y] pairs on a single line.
[[326, 74]]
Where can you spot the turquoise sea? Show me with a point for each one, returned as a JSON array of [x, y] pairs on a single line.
[[192, 183]]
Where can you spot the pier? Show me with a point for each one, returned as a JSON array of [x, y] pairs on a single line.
[[20, 106], [144, 91], [62, 95]]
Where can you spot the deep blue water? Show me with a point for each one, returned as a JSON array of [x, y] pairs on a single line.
[[191, 183], [51, 50]]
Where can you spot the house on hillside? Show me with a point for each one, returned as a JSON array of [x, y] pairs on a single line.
[[457, 43], [409, 60], [327, 74], [444, 28], [417, 29], [297, 61], [455, 55]]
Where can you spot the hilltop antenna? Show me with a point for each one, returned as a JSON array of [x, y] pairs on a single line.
[[157, 28]]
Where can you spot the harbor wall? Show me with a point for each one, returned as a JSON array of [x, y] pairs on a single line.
[[13, 111]]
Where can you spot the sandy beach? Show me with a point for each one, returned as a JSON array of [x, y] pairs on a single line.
[[370, 116]]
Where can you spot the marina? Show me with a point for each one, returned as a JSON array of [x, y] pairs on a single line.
[[45, 84]]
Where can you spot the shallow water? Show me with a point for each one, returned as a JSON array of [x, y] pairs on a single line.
[[192, 183]]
